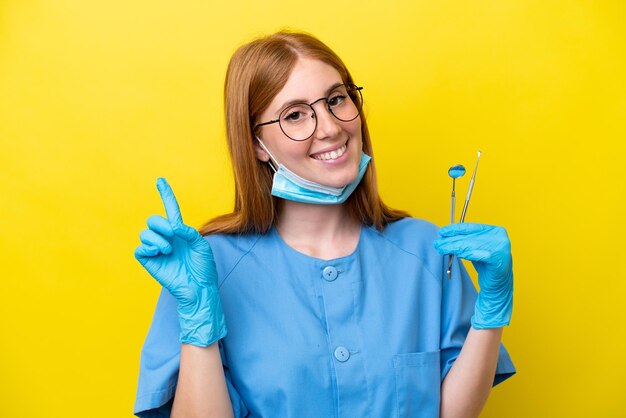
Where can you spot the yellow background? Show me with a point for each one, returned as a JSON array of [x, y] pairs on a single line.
[[99, 98]]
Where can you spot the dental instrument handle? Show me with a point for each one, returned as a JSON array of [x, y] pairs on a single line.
[[453, 203], [449, 271], [469, 190], [450, 266]]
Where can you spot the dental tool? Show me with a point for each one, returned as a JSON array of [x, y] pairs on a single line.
[[455, 172], [467, 200], [469, 190]]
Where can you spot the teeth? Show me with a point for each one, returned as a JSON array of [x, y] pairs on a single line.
[[333, 155]]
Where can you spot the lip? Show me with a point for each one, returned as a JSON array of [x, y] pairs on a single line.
[[329, 149]]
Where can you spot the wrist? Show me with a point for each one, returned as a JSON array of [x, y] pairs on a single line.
[[202, 333], [493, 309], [202, 323]]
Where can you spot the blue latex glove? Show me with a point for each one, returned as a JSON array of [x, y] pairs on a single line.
[[181, 260], [489, 249]]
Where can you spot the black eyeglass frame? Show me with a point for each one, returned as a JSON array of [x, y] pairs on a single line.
[[350, 88]]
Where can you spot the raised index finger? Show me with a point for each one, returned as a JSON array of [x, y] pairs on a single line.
[[169, 201]]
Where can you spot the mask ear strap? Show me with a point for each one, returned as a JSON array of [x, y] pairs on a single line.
[[272, 162]]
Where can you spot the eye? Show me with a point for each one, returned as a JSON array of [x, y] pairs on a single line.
[[296, 113], [336, 99], [293, 116]]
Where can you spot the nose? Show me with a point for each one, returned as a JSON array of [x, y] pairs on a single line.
[[328, 126]]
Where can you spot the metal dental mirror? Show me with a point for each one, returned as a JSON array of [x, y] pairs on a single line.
[[455, 172]]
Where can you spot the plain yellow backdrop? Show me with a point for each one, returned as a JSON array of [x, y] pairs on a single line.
[[99, 98]]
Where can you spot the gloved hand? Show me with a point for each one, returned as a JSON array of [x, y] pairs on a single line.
[[181, 260], [489, 249]]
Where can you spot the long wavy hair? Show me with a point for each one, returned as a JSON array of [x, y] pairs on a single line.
[[256, 73]]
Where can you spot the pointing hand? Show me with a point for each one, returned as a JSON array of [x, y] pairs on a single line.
[[181, 260]]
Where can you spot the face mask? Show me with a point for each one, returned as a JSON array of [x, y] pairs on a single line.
[[288, 185]]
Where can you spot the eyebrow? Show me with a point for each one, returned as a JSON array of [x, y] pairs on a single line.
[[295, 101]]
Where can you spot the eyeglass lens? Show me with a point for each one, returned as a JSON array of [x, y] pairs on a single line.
[[299, 121]]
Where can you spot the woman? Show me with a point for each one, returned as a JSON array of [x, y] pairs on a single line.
[[336, 305]]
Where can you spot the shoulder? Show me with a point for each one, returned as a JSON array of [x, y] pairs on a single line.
[[414, 236], [410, 233], [232, 242], [229, 250]]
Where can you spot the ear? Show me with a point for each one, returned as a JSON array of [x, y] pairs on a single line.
[[261, 154]]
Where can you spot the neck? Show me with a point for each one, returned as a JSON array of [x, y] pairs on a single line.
[[324, 231]]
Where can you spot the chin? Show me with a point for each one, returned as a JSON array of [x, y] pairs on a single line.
[[346, 180]]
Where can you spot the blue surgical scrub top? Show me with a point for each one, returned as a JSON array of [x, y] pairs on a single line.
[[371, 334]]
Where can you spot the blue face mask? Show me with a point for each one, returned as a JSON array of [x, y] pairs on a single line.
[[288, 185]]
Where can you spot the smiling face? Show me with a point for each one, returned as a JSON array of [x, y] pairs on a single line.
[[331, 155]]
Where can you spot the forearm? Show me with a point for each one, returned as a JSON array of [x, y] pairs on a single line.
[[466, 388], [201, 390]]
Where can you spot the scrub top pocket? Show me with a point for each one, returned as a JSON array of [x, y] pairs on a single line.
[[417, 384]]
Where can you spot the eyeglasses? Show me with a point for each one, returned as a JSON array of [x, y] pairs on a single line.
[[299, 120]]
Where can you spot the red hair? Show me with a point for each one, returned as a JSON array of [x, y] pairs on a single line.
[[256, 73]]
